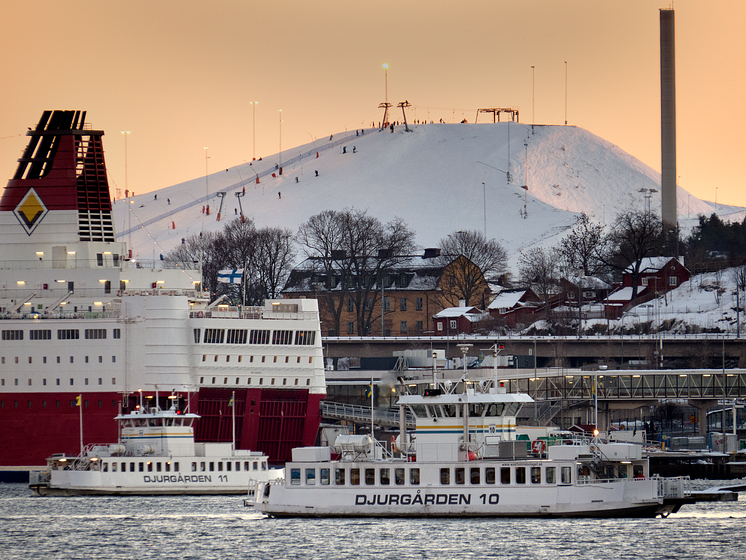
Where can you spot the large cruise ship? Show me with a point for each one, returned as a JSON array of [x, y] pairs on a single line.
[[86, 328]]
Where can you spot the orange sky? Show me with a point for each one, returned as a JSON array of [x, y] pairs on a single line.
[[179, 75]]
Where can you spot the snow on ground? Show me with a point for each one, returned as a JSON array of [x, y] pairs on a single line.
[[439, 178]]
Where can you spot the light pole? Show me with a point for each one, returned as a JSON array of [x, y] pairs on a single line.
[[484, 203], [126, 190], [386, 82], [253, 125], [533, 95], [279, 112], [565, 93]]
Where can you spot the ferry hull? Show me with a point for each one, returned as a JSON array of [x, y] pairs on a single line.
[[599, 501]]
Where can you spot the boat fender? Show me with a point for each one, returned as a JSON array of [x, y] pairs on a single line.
[[394, 448]]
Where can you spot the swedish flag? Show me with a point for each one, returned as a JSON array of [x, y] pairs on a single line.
[[77, 400], [230, 402], [368, 391]]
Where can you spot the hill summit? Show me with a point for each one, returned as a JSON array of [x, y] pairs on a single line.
[[523, 185]]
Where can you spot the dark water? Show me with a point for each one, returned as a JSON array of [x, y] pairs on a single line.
[[187, 527]]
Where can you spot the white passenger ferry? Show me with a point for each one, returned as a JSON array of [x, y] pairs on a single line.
[[156, 454], [464, 461]]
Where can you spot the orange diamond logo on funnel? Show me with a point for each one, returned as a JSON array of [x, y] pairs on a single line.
[[30, 211]]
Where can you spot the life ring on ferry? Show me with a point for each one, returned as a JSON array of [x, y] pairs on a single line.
[[394, 447], [200, 314], [538, 446]]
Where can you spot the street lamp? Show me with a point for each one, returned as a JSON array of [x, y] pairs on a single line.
[[386, 82], [279, 112], [533, 95], [126, 189], [565, 93], [253, 125]]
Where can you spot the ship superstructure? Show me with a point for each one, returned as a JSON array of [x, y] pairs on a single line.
[[80, 317]]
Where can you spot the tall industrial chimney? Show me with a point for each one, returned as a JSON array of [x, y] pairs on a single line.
[[668, 120]]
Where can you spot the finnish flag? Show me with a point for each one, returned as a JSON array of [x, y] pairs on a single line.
[[230, 276]]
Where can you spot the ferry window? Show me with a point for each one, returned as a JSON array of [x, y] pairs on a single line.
[[370, 477], [113, 359], [489, 475], [113, 467], [475, 475], [399, 477], [551, 475], [202, 467], [246, 466], [220, 466], [150, 466], [282, 337], [505, 475], [460, 475], [310, 477], [295, 477], [445, 476], [566, 475], [308, 381], [106, 466], [58, 381], [228, 466], [168, 466], [212, 466], [238, 466], [520, 475], [117, 333], [158, 466], [355, 477], [535, 475], [100, 380], [324, 477], [638, 472], [414, 477], [132, 467], [196, 336], [113, 380], [385, 476], [141, 467], [100, 259], [339, 477], [194, 467]]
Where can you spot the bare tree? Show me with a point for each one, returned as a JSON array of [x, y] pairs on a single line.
[[633, 237], [353, 252], [579, 249], [482, 260], [204, 251], [273, 259], [538, 270]]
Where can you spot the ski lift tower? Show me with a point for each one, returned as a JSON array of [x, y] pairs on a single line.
[[240, 194], [220, 208], [403, 104]]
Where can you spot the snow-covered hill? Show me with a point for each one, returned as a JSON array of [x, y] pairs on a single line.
[[439, 178]]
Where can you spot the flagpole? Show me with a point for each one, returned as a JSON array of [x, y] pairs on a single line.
[[80, 407], [372, 424], [233, 406]]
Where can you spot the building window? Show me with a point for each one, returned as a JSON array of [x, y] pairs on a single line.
[[350, 305], [418, 326], [403, 326], [403, 304], [387, 304], [418, 304], [453, 324], [350, 327], [673, 281]]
